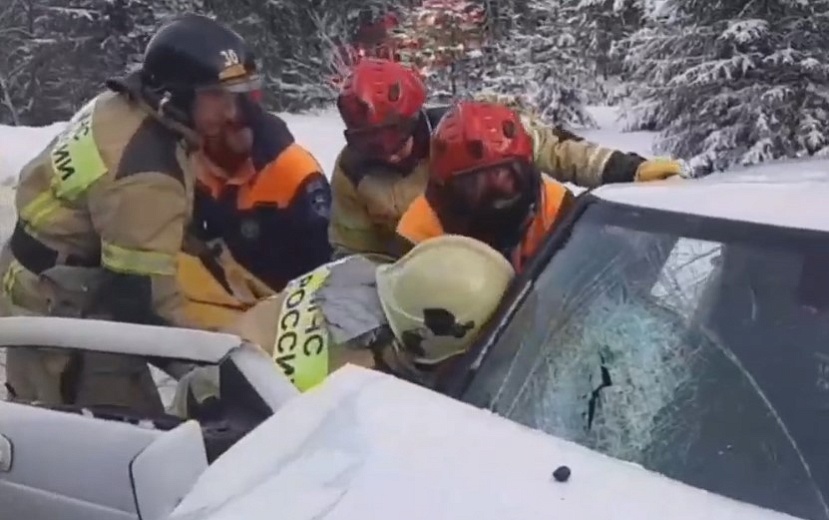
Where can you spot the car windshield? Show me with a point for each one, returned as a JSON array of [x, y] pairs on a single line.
[[696, 347]]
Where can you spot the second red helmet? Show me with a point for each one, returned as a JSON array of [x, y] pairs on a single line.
[[380, 92]]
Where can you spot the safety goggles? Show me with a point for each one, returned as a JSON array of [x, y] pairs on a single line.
[[381, 141]]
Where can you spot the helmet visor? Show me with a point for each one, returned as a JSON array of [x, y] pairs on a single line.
[[250, 85], [236, 102]]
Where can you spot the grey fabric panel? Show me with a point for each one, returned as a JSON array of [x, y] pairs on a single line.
[[349, 301], [152, 149]]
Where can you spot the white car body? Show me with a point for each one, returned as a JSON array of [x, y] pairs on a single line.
[[367, 445], [793, 200], [363, 445]]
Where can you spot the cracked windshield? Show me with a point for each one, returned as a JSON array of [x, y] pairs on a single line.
[[694, 347]]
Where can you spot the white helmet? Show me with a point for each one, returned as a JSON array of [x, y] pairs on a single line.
[[438, 296]]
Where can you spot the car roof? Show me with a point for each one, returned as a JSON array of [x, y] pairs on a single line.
[[790, 195]]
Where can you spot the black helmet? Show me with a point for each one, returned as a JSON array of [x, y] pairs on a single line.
[[191, 52]]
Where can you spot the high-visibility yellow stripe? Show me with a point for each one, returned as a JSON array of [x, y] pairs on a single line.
[[302, 339], [134, 261], [37, 212], [10, 278]]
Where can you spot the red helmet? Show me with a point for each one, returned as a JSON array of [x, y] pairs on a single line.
[[482, 181], [379, 92], [477, 135]]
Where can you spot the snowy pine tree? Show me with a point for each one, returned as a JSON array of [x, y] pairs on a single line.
[[443, 39], [295, 39], [60, 51], [76, 45], [64, 50], [15, 37], [600, 27], [354, 35], [735, 82], [602, 24], [544, 67]]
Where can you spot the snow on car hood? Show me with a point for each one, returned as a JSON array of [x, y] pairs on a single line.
[[366, 445]]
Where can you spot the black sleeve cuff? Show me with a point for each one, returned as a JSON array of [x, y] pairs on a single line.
[[621, 167]]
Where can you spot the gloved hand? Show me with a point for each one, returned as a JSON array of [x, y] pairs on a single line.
[[659, 169]]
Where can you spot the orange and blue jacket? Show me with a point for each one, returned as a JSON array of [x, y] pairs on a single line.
[[273, 213], [422, 222]]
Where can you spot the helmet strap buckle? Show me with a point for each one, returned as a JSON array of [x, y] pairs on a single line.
[[162, 104]]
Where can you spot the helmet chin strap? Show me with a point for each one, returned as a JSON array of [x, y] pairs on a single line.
[[159, 106], [169, 107]]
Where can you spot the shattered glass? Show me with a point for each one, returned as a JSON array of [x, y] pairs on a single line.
[[679, 344], [623, 387]]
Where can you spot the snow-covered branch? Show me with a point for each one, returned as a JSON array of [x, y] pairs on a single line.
[[736, 83]]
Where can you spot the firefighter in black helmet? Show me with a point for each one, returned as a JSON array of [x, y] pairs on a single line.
[[194, 55], [257, 190], [102, 209]]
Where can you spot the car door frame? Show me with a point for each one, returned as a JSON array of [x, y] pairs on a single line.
[[202, 348]]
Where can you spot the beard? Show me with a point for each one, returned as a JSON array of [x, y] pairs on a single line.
[[230, 147], [501, 227]]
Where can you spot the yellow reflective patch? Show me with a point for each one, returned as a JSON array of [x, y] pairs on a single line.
[[36, 213], [134, 261], [76, 160], [10, 279], [302, 340]]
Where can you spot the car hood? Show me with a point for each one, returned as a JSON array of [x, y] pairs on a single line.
[[366, 445]]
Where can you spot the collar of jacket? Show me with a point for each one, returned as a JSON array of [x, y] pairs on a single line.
[[216, 179]]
